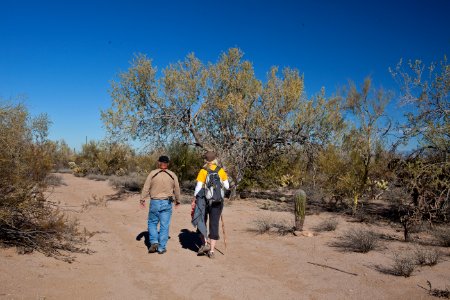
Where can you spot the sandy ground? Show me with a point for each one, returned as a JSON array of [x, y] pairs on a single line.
[[253, 266]]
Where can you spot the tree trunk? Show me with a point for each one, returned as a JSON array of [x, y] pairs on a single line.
[[300, 209]]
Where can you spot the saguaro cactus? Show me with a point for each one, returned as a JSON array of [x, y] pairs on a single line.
[[300, 209]]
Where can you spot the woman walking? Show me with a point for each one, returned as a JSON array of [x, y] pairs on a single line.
[[212, 197]]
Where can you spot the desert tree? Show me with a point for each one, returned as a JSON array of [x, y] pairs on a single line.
[[219, 106], [367, 134], [425, 172], [27, 220]]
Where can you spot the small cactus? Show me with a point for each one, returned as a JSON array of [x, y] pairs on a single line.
[[300, 209]]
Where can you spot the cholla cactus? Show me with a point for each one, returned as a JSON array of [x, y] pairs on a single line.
[[288, 180], [382, 185], [77, 170]]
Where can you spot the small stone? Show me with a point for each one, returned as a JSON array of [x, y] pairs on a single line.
[[307, 233]]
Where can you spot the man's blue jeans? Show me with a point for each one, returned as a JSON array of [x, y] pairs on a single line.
[[160, 212]]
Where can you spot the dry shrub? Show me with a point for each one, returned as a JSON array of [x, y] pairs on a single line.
[[97, 177], [27, 220], [438, 292], [64, 171], [404, 265], [267, 225], [327, 225], [358, 240], [54, 180], [427, 256], [262, 225], [94, 200], [442, 235], [133, 182]]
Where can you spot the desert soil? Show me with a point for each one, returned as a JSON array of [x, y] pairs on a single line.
[[252, 266]]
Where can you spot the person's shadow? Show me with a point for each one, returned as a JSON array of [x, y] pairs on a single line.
[[145, 235], [190, 240]]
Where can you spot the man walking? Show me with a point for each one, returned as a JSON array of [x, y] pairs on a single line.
[[161, 186]]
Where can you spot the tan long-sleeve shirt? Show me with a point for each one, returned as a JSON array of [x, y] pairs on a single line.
[[159, 185]]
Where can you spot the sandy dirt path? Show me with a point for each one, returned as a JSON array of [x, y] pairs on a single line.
[[252, 267]]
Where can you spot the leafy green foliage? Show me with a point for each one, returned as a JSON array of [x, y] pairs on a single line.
[[221, 106]]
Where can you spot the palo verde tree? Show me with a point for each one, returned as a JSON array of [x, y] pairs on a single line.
[[367, 136], [220, 106], [425, 173]]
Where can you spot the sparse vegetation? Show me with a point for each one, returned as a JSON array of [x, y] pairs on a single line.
[[97, 177], [438, 292], [262, 225], [427, 256], [133, 182], [442, 235], [53, 180], [327, 225], [267, 225], [93, 201], [404, 265], [27, 220], [358, 240]]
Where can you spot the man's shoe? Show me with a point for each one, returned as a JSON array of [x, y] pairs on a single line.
[[153, 248], [204, 249], [162, 252], [211, 255]]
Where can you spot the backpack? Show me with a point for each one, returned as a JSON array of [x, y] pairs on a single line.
[[213, 186]]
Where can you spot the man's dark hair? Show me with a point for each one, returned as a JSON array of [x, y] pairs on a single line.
[[164, 159]]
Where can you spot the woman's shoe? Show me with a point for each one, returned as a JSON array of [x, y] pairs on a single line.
[[204, 249]]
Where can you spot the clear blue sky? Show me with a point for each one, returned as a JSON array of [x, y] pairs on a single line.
[[62, 54]]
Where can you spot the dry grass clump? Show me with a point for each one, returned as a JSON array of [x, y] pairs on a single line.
[[438, 292], [95, 201], [133, 182], [267, 225], [262, 225], [64, 171], [404, 265], [442, 235], [427, 256], [406, 262], [54, 180], [97, 177], [327, 225], [358, 240]]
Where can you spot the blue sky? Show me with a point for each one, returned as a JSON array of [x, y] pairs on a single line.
[[63, 54]]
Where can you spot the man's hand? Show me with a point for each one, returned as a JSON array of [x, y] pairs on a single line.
[[142, 203], [192, 208], [177, 204]]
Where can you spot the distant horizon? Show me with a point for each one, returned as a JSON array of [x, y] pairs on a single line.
[[62, 56]]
